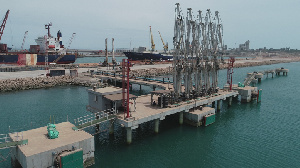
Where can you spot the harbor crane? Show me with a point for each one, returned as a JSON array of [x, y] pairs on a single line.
[[105, 63], [71, 39], [165, 45], [62, 55], [114, 62], [3, 24], [152, 42], [25, 35]]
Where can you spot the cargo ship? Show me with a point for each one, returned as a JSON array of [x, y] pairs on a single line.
[[147, 56], [47, 47], [143, 54]]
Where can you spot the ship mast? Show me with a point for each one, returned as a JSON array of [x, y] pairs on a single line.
[[47, 26]]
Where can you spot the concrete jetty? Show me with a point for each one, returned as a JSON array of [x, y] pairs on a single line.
[[143, 108], [255, 77], [283, 70]]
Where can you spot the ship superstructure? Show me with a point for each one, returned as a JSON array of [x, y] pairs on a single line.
[[49, 43]]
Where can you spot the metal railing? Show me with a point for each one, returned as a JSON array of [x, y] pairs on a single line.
[[6, 141], [95, 118]]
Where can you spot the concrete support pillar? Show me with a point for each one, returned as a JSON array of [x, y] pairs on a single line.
[[112, 127], [213, 104], [181, 118], [259, 79], [97, 125], [230, 100], [219, 105], [156, 125], [129, 135], [151, 99], [134, 102]]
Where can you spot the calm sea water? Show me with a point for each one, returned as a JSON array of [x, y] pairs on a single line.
[[244, 135]]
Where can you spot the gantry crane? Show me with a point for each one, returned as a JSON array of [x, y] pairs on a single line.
[[3, 24], [152, 42], [165, 45]]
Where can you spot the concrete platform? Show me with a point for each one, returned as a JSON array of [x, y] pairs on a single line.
[[195, 117], [145, 112], [42, 151], [246, 93]]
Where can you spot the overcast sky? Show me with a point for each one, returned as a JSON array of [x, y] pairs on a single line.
[[266, 23]]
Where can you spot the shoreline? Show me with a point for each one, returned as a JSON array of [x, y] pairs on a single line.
[[25, 80]]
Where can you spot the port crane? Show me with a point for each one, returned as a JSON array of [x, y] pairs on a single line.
[[105, 62], [3, 24], [25, 35], [165, 45], [114, 62], [152, 42], [71, 40]]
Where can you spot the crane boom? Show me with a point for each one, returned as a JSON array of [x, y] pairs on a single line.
[[152, 42], [165, 45], [3, 24], [24, 40], [161, 39], [71, 39]]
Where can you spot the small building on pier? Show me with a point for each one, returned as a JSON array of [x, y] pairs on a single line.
[[102, 99]]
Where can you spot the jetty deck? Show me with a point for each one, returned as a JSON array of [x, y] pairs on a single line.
[[146, 112], [153, 83]]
